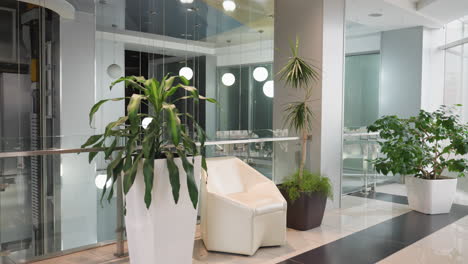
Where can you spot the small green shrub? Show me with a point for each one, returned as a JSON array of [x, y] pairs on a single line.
[[310, 183]]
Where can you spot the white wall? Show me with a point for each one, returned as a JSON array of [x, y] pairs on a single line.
[[401, 71], [363, 44], [78, 192]]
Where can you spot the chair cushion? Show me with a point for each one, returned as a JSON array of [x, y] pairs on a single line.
[[262, 203]]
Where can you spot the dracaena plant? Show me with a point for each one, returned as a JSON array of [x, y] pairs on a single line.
[[165, 137], [299, 74], [425, 145]]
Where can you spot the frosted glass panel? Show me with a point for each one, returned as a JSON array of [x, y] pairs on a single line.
[[361, 90]]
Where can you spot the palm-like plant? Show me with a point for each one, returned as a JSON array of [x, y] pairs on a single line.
[[165, 137], [298, 73]]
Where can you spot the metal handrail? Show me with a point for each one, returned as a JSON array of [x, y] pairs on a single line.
[[28, 153]]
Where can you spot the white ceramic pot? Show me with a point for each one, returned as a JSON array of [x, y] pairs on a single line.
[[431, 196], [165, 232]]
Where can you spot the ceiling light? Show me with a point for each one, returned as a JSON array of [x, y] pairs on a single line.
[[268, 89], [260, 74], [375, 15], [100, 181], [229, 5], [186, 72], [228, 79], [186, 1]]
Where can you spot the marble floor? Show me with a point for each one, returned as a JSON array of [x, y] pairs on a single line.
[[357, 215]]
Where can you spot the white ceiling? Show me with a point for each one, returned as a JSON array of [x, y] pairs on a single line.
[[401, 14]]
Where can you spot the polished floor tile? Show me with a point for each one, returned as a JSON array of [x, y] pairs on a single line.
[[376, 242], [364, 230]]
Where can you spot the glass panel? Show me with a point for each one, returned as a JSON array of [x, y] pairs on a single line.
[[361, 90], [74, 216]]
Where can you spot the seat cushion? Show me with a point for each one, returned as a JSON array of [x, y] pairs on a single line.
[[262, 203]]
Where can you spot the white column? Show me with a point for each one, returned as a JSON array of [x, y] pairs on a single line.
[[320, 27]]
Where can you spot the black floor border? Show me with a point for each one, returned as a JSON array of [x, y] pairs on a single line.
[[400, 199], [382, 240]]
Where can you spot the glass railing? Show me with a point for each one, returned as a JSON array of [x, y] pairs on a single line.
[[358, 172], [50, 198]]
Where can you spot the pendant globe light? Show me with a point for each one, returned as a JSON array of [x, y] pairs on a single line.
[[260, 73], [228, 79], [186, 71], [268, 89], [114, 70], [229, 5]]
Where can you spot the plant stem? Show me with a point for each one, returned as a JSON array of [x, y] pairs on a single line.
[[303, 153]]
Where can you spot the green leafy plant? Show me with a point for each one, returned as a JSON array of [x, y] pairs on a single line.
[[310, 183], [165, 137], [424, 145]]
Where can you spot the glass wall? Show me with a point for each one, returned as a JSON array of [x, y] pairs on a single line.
[[55, 66]]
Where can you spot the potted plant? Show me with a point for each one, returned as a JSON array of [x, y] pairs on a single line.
[[424, 147], [306, 193], [161, 162]]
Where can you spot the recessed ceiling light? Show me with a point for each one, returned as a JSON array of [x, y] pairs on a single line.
[[186, 1], [375, 15]]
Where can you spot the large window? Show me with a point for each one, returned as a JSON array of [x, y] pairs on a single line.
[[456, 65]]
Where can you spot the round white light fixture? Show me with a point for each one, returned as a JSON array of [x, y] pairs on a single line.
[[114, 71], [228, 79], [100, 181], [186, 1], [146, 122], [229, 5], [186, 72], [268, 89], [260, 74]]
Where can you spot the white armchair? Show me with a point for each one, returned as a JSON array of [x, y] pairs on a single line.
[[241, 210]]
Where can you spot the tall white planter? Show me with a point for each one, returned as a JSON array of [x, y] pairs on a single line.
[[431, 196], [165, 232]]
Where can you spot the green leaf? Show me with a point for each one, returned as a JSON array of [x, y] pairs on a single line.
[[108, 151], [192, 186], [184, 80], [114, 124], [129, 176], [169, 82], [91, 140], [96, 107], [174, 125], [148, 173], [133, 108], [174, 178]]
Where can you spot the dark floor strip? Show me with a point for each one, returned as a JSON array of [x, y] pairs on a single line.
[[382, 240], [383, 197]]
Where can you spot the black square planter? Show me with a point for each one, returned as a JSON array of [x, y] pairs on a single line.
[[306, 212]]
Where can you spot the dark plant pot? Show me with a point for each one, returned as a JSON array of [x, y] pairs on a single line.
[[306, 212]]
